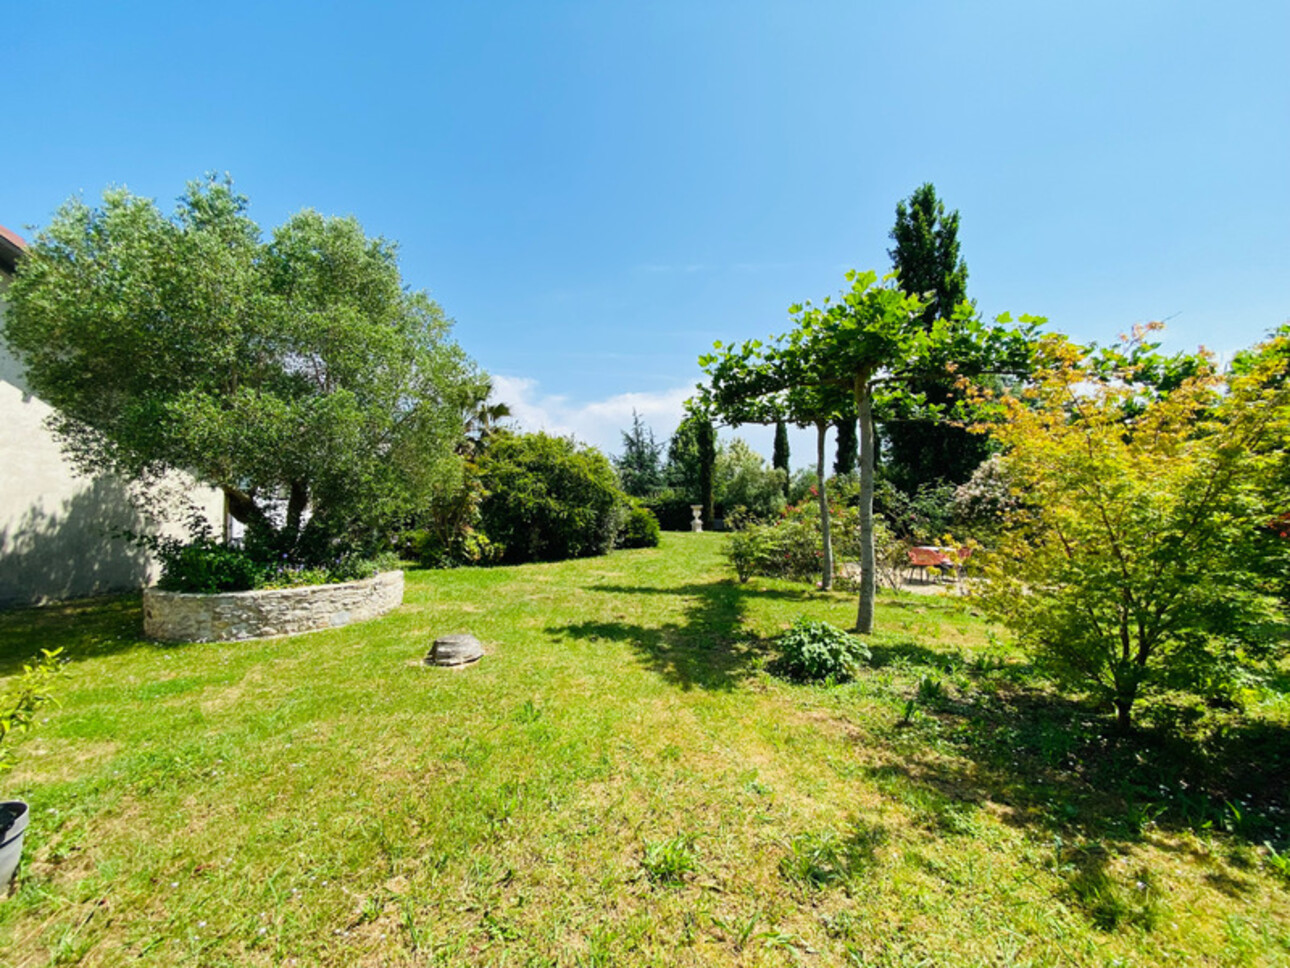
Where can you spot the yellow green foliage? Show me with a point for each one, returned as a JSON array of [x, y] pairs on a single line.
[[1141, 556]]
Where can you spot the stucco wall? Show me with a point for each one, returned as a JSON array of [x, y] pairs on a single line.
[[55, 524], [177, 617]]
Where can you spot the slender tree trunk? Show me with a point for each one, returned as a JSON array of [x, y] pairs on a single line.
[[868, 563], [826, 566]]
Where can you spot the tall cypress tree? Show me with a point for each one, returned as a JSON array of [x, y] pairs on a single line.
[[848, 455], [707, 436], [926, 257], [927, 262], [779, 458]]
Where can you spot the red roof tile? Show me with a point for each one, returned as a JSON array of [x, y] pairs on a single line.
[[13, 238]]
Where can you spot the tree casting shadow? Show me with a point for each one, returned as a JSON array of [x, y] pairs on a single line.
[[1056, 763], [69, 552], [708, 649]]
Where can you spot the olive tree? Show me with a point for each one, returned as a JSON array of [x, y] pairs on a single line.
[[295, 373]]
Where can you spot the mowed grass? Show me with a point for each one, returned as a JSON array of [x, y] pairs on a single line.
[[619, 782]]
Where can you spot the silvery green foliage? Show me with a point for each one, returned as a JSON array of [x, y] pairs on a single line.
[[295, 372]]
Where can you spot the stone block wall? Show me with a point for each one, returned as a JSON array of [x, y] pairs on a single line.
[[182, 617]]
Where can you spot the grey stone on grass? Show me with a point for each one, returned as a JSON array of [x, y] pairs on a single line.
[[454, 650]]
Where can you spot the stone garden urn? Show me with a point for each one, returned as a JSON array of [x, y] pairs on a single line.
[[697, 511]]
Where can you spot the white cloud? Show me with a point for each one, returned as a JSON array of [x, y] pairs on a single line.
[[602, 422], [599, 422]]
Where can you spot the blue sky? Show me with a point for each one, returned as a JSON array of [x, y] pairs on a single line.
[[596, 191]]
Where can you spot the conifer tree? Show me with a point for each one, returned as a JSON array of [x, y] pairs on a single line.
[[926, 260], [779, 458], [640, 467], [848, 448]]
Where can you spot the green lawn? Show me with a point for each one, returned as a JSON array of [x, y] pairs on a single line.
[[620, 782]]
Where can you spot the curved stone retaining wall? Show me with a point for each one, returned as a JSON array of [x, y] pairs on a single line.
[[182, 617]]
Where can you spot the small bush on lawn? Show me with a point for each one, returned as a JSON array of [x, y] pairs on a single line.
[[640, 530], [792, 546], [813, 651], [786, 549]]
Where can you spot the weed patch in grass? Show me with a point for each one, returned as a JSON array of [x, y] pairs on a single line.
[[669, 861], [827, 859]]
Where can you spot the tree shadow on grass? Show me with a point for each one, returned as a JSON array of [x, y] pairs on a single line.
[[1056, 763], [707, 649], [84, 629], [911, 653]]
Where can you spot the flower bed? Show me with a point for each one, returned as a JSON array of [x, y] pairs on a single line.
[[230, 616]]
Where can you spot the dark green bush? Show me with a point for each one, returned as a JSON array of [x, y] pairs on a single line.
[[787, 549], [206, 565], [811, 651], [921, 517], [466, 547], [415, 545], [640, 530], [671, 509], [549, 498]]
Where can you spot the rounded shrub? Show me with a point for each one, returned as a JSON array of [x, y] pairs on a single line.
[[791, 547], [812, 651], [640, 530], [207, 566], [549, 498]]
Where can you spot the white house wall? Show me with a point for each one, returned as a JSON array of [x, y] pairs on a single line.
[[55, 525]]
